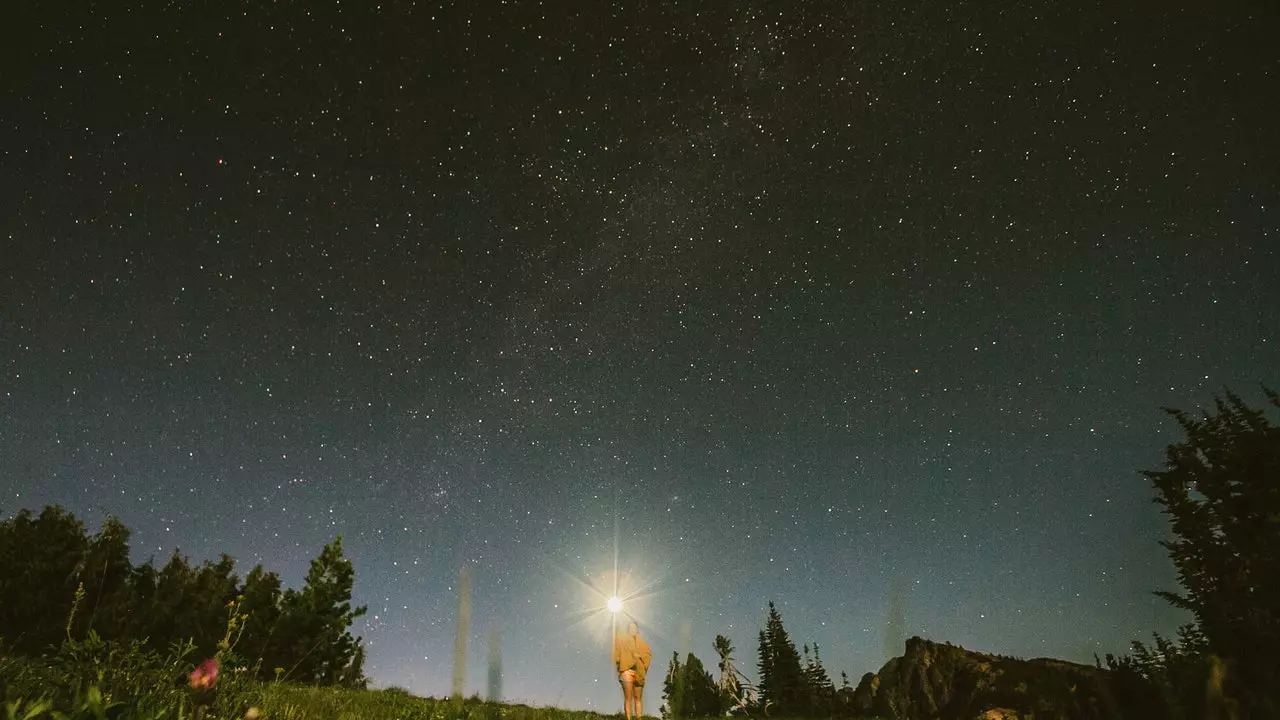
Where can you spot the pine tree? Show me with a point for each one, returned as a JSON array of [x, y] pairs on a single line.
[[729, 687], [1221, 491], [821, 690], [765, 664], [352, 674], [782, 678], [702, 699], [315, 621], [260, 600], [673, 689], [49, 565], [689, 690], [843, 704]]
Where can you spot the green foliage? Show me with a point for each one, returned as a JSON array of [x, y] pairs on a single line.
[[125, 680], [729, 687], [314, 624], [1221, 491], [689, 691], [1167, 679], [68, 596], [783, 684], [40, 563], [291, 702], [822, 692], [789, 685], [180, 601], [97, 679], [104, 572]]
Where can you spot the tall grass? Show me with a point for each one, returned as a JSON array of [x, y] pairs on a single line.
[[94, 679]]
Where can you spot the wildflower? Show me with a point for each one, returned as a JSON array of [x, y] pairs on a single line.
[[71, 619], [205, 675]]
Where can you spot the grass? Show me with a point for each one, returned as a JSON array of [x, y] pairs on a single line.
[[92, 679], [282, 701], [290, 702]]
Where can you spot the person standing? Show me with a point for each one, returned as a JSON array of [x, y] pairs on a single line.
[[631, 657]]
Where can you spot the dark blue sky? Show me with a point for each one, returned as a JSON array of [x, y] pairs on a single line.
[[800, 303]]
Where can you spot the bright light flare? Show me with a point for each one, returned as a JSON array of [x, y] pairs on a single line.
[[614, 604]]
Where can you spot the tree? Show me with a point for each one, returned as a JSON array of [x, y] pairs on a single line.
[[260, 601], [672, 689], [729, 687], [821, 690], [689, 690], [315, 622], [1166, 680], [58, 583], [105, 572], [180, 602], [1221, 490], [40, 563], [844, 696], [782, 679]]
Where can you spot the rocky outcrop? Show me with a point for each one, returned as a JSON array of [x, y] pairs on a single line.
[[933, 681]]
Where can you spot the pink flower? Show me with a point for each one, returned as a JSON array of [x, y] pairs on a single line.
[[206, 674]]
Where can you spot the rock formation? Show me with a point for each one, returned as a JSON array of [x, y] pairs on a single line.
[[933, 681]]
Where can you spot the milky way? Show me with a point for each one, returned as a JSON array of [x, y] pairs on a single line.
[[847, 307]]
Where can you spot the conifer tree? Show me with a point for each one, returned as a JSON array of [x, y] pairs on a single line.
[[821, 690], [689, 690], [673, 689], [58, 583], [782, 678], [1221, 491], [702, 699], [260, 601], [843, 703], [729, 686], [765, 664], [315, 621]]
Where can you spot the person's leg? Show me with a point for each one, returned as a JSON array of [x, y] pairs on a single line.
[[628, 692], [639, 695]]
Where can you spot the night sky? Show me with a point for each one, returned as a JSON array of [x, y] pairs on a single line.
[[819, 303]]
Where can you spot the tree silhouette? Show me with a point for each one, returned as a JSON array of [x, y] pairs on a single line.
[[40, 563], [181, 602], [821, 690], [782, 679], [729, 686], [673, 688], [314, 622], [105, 573], [58, 583], [260, 601], [689, 690], [1221, 491]]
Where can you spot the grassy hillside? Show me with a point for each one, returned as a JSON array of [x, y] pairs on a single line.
[[94, 680]]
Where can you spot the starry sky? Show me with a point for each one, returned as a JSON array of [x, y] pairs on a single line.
[[839, 305]]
